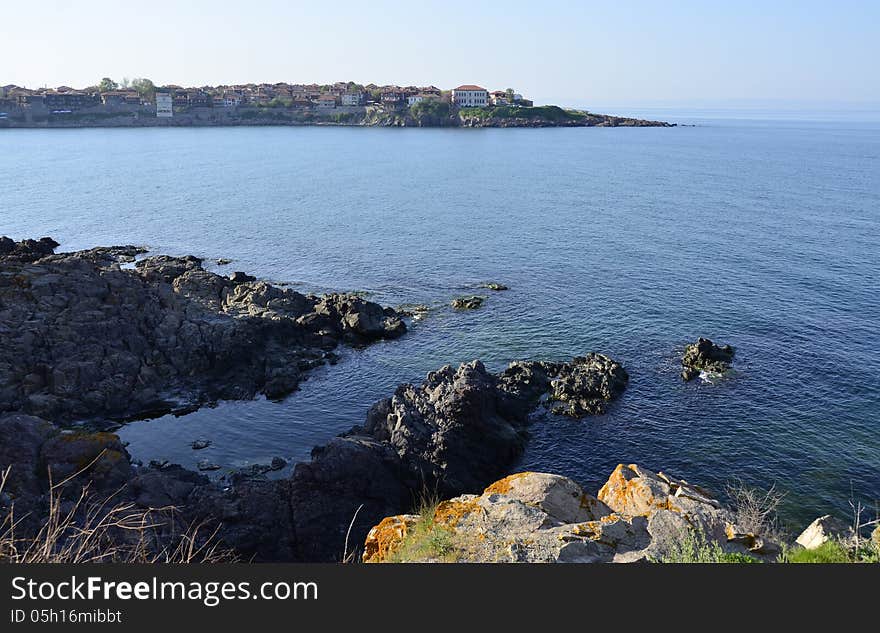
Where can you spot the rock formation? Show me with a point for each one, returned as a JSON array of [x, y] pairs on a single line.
[[459, 430], [456, 432], [468, 303], [704, 355], [85, 337], [638, 515]]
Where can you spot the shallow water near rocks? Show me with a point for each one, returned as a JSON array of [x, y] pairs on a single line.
[[629, 242]]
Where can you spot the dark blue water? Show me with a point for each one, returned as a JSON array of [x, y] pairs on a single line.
[[632, 242]]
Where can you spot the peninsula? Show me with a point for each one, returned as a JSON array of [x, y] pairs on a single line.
[[140, 103]]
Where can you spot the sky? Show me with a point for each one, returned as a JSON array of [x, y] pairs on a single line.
[[572, 53]]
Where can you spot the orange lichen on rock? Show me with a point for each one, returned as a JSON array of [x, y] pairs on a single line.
[[633, 491], [590, 529], [503, 486], [387, 536], [450, 513]]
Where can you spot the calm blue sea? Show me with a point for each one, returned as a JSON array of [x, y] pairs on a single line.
[[632, 242]]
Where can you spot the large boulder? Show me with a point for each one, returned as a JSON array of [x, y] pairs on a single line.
[[97, 458], [526, 517], [824, 529], [351, 483], [457, 429], [21, 439]]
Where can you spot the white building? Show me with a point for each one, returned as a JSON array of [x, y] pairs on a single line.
[[163, 105], [228, 100], [411, 100], [470, 96], [352, 98]]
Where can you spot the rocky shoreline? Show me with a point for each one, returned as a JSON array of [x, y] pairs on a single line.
[[456, 432], [113, 333], [99, 334], [547, 116]]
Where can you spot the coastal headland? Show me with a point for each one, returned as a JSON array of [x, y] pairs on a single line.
[[141, 104]]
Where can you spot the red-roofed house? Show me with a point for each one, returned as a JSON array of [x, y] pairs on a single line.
[[470, 96]]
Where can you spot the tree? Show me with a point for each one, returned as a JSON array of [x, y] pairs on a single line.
[[509, 93], [107, 84], [144, 87]]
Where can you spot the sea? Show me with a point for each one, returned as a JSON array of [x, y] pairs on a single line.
[[755, 229]]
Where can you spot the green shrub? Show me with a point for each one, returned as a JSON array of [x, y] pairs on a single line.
[[550, 113], [693, 547], [828, 552], [430, 108], [478, 113]]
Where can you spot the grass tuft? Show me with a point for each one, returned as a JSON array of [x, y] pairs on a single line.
[[426, 540]]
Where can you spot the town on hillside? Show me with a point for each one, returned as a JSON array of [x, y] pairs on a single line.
[[142, 96]]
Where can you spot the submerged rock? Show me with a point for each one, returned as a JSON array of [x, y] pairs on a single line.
[[491, 285], [468, 303], [85, 338], [704, 355], [198, 445], [415, 310], [537, 517]]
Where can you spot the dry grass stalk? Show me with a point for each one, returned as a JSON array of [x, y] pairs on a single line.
[[89, 529]]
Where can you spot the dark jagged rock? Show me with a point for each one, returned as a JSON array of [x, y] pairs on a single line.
[[455, 430], [496, 287], [239, 277], [416, 310], [26, 250], [455, 433], [704, 355], [85, 338], [468, 303], [586, 385]]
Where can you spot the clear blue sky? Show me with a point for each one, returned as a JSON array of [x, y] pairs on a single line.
[[569, 52]]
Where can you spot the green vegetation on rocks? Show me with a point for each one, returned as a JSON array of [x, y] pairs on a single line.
[[430, 108], [694, 547]]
